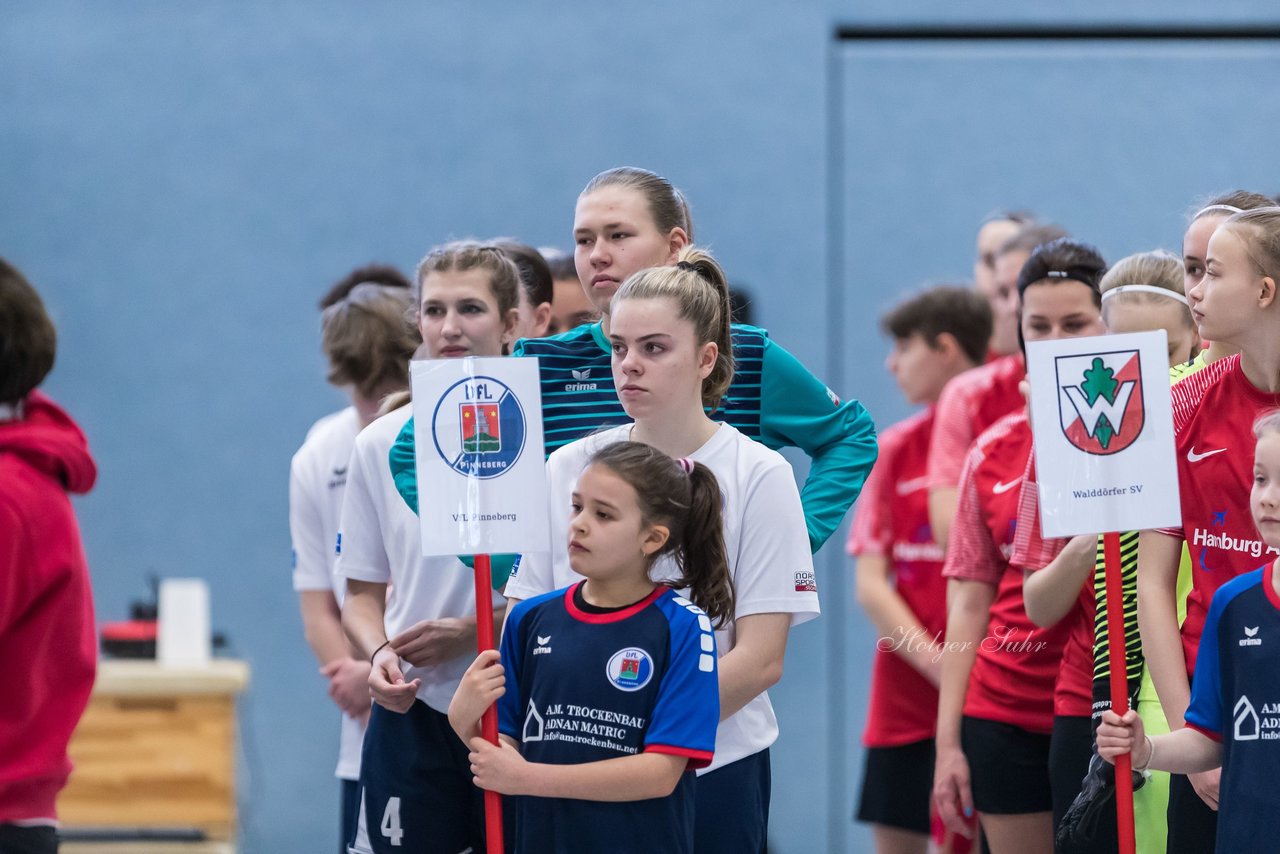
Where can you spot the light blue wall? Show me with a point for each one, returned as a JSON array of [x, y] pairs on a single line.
[[183, 180]]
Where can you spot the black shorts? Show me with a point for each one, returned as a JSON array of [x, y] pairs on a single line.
[[732, 812], [1070, 749], [1193, 824], [1008, 767], [897, 786], [416, 792], [15, 839]]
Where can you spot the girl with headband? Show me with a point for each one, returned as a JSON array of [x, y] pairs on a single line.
[[672, 361], [1140, 293], [997, 700]]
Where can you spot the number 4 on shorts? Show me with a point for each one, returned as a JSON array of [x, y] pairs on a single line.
[[390, 827], [391, 822]]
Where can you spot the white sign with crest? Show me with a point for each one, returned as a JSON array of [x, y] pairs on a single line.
[[478, 441], [1103, 424]]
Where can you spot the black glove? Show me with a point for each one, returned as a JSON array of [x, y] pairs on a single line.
[[1078, 831]]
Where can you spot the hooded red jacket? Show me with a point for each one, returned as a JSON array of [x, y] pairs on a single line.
[[48, 653]]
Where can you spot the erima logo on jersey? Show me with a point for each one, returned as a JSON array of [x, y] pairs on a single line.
[[1251, 637], [580, 381], [544, 645], [339, 477]]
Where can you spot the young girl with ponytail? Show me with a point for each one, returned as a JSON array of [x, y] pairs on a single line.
[[607, 691], [669, 333]]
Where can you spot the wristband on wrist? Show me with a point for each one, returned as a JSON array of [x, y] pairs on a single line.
[[376, 651], [1151, 749]]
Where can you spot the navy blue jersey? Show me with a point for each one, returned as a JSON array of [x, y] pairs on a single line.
[[583, 687], [1235, 699], [773, 399]]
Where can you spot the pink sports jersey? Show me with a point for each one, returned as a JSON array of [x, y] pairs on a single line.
[[892, 520], [970, 404], [1032, 551], [1013, 677], [1213, 413]]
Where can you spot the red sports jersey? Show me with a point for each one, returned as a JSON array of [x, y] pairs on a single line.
[[970, 404], [1032, 551], [892, 520], [1013, 677], [1213, 411]]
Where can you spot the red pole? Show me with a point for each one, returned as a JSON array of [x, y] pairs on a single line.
[[489, 723], [1119, 685]]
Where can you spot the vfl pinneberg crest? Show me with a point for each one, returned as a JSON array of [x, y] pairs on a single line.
[[629, 669], [1100, 400], [479, 427]]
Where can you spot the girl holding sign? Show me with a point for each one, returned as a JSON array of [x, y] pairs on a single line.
[[415, 786], [1234, 304], [620, 669], [669, 333], [1140, 293], [994, 729], [1125, 310], [1232, 701], [628, 220]]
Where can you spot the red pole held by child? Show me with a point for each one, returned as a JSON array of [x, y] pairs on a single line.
[[489, 722], [1119, 686]]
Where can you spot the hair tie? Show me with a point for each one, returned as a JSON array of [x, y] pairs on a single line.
[[686, 465], [686, 266], [1143, 289], [1231, 209], [1085, 274]]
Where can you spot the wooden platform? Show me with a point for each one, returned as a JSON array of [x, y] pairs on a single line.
[[156, 748]]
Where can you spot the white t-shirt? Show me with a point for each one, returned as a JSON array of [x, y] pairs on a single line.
[[317, 481], [765, 535], [381, 542]]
